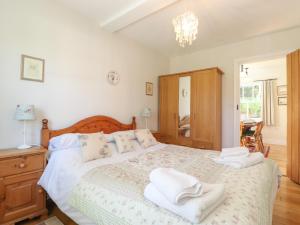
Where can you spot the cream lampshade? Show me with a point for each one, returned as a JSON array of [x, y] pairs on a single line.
[[146, 113], [24, 113]]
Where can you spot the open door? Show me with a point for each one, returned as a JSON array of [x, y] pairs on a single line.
[[293, 135]]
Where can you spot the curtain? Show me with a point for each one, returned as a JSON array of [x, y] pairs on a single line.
[[268, 102]]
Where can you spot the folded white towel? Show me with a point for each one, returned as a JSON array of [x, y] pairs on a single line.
[[234, 149], [241, 162], [174, 185], [234, 152], [235, 157], [194, 209]]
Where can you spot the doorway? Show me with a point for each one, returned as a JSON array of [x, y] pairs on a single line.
[[263, 100]]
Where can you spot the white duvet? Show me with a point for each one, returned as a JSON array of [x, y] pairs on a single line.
[[64, 170]]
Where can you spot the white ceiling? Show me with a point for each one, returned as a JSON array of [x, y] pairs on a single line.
[[220, 21]]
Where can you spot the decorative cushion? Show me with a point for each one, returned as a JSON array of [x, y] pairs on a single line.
[[94, 146], [145, 138], [129, 133], [124, 143]]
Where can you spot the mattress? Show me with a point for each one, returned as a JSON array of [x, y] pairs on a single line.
[[110, 191]]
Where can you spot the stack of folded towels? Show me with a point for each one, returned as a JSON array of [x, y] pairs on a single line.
[[239, 157], [183, 194]]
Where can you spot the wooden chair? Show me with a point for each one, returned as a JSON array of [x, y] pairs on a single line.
[[258, 137], [266, 151], [255, 142], [241, 133]]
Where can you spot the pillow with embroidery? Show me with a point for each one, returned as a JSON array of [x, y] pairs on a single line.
[[124, 143], [145, 138], [94, 146]]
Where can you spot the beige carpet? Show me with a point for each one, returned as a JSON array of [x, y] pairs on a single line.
[[51, 221]]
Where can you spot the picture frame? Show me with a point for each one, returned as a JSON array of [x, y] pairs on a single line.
[[282, 100], [149, 88], [32, 68], [282, 90]]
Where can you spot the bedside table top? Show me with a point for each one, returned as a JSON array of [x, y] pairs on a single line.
[[13, 152]]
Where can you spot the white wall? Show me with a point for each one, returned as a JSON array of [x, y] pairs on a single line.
[[225, 57], [78, 56]]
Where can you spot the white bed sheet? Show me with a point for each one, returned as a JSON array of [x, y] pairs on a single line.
[[64, 170]]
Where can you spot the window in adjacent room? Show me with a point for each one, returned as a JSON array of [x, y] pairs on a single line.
[[251, 101]]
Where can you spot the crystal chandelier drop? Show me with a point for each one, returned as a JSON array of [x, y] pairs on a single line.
[[186, 28]]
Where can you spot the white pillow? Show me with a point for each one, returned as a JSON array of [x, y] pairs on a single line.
[[64, 141], [109, 137], [145, 138], [71, 140], [123, 142], [94, 146], [113, 147]]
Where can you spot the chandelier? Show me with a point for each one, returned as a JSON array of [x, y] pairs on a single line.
[[186, 28]]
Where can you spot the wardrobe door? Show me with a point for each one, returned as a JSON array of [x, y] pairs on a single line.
[[168, 89], [293, 142], [206, 109]]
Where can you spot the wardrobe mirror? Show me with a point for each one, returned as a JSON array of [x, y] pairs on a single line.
[[184, 106]]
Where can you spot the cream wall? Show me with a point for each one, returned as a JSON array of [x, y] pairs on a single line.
[[78, 56], [226, 57]]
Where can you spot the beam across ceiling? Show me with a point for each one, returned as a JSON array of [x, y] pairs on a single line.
[[135, 13]]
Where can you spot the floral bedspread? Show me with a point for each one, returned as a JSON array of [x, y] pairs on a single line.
[[113, 194]]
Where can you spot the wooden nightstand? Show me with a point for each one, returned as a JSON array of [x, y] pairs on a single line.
[[158, 136], [20, 196]]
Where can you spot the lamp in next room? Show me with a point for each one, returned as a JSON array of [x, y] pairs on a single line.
[[24, 113], [146, 113]]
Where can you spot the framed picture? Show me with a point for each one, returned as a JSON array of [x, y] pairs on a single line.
[[282, 90], [32, 68], [149, 88], [282, 100]]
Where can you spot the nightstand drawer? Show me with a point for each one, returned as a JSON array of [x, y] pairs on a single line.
[[22, 196], [11, 166]]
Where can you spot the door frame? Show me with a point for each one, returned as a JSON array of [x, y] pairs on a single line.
[[237, 64]]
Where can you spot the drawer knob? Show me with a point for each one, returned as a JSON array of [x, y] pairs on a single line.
[[40, 191], [22, 165]]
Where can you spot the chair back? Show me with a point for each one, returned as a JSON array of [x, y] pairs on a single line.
[[241, 128], [259, 127], [258, 137]]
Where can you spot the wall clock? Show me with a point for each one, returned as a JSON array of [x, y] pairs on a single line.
[[113, 77]]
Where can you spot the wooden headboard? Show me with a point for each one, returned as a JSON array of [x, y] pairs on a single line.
[[89, 125]]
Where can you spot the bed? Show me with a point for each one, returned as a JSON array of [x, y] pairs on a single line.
[[109, 191]]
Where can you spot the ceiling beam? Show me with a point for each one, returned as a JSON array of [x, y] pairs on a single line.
[[135, 13]]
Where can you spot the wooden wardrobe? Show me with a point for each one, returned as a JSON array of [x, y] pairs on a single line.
[[293, 127], [190, 108]]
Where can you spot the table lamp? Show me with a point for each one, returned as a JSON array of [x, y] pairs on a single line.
[[146, 113], [24, 113]]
